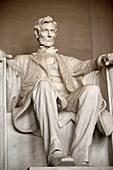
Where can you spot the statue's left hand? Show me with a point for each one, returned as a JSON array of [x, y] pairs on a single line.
[[108, 59], [105, 59]]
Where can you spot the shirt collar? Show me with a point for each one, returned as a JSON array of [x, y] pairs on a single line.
[[48, 50]]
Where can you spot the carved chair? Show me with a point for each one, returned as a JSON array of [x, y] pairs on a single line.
[[19, 151]]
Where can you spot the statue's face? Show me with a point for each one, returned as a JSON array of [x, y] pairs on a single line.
[[47, 35]]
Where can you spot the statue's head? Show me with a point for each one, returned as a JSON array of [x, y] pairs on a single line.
[[45, 31]]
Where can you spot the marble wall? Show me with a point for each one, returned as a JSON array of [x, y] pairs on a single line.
[[91, 25], [85, 27]]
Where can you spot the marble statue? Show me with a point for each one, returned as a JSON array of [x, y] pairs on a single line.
[[44, 85]]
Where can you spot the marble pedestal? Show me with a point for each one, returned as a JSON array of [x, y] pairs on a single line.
[[26, 150], [70, 168]]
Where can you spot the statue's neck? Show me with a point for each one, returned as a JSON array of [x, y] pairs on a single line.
[[48, 49]]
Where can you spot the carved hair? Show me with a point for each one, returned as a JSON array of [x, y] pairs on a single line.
[[42, 21]]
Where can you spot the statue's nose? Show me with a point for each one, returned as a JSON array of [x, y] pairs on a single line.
[[49, 34]]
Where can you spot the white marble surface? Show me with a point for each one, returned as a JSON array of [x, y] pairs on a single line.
[[30, 152], [70, 168], [25, 150], [3, 134]]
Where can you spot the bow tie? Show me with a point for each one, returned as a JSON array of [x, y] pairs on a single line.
[[48, 50]]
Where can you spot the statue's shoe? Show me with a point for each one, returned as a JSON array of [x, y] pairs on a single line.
[[62, 161], [84, 163]]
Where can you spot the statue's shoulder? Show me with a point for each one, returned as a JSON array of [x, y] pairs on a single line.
[[66, 58], [23, 57], [19, 62]]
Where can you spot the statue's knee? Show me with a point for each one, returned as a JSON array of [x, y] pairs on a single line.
[[92, 90], [44, 84]]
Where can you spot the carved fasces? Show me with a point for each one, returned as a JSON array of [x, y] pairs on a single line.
[[3, 140]]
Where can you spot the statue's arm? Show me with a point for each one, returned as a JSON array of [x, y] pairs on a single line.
[[13, 82], [81, 68], [17, 69], [13, 79]]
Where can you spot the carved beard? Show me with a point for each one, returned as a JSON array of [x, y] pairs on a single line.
[[46, 43]]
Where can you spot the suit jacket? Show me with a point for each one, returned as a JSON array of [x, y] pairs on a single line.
[[27, 70]]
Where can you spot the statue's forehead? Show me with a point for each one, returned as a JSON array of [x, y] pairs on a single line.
[[48, 26]]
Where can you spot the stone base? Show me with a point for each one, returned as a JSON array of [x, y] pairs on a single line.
[[26, 150], [71, 168]]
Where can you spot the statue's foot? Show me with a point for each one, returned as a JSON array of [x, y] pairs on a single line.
[[62, 161], [84, 163]]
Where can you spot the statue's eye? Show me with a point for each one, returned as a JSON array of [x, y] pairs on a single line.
[[53, 30], [44, 30]]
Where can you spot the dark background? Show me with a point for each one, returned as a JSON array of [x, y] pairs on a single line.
[[85, 27]]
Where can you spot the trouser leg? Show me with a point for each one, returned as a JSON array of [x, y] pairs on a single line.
[[45, 106], [86, 102]]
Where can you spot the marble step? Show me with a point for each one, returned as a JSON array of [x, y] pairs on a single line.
[[71, 168]]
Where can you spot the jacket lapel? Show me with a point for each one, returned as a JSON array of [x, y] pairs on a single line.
[[39, 59], [67, 80]]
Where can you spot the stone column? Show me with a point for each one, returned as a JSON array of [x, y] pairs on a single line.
[[3, 139]]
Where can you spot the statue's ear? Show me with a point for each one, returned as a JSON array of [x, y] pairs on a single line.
[[36, 32]]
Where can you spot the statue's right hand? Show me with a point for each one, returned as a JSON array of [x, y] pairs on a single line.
[[3, 54]]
